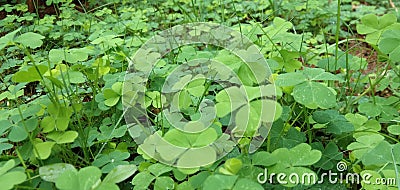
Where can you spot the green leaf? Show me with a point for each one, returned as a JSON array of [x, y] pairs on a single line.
[[30, 39], [120, 173], [319, 74], [61, 116], [304, 155], [4, 146], [255, 70], [76, 77], [111, 101], [197, 180], [289, 60], [71, 56], [117, 87], [262, 158], [330, 155], [379, 155], [17, 133], [87, 178], [370, 109], [110, 132], [53, 171], [180, 176], [107, 186], [365, 127], [197, 157], [229, 100], [246, 75], [394, 129], [247, 184], [159, 169], [48, 124], [371, 177], [219, 182], [249, 117], [142, 180], [283, 138], [164, 182], [43, 149], [8, 38], [373, 26], [183, 139], [7, 166], [356, 119], [30, 73], [111, 160], [336, 123], [390, 44], [314, 95], [8, 180], [4, 125], [56, 55], [290, 79], [184, 99], [62, 137], [62, 122], [232, 166], [262, 91], [344, 61], [365, 144], [55, 81], [289, 164]]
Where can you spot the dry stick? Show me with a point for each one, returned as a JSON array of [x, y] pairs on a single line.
[[393, 6]]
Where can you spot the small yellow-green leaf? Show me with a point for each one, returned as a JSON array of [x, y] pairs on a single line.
[[63, 137], [48, 124], [43, 149]]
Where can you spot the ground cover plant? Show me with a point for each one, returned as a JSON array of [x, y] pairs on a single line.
[[277, 94]]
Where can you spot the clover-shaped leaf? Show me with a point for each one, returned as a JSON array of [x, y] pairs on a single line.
[[9, 176], [362, 125], [154, 172], [308, 92], [73, 55], [282, 161], [283, 137], [61, 137], [85, 179], [111, 160], [394, 129], [390, 44], [365, 144], [330, 155], [30, 73], [314, 95], [373, 26], [120, 173], [113, 94], [30, 39], [53, 171], [335, 123]]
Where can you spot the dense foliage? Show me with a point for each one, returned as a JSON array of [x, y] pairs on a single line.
[[333, 78]]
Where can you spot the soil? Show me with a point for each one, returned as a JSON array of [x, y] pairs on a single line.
[[364, 50], [46, 10]]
